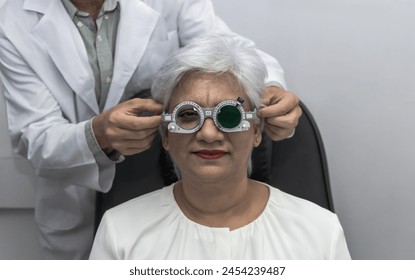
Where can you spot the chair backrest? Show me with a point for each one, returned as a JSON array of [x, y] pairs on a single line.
[[299, 164]]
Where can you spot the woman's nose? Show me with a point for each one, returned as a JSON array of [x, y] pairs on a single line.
[[209, 132]]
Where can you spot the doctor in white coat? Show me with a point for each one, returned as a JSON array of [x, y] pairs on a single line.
[[52, 103]]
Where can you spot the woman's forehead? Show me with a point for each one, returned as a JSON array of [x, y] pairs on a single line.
[[206, 89]]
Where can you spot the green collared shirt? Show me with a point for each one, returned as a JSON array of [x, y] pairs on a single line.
[[99, 38]]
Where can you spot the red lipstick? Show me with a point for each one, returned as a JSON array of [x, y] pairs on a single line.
[[210, 154]]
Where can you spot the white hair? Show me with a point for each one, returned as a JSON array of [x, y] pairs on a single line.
[[214, 54]]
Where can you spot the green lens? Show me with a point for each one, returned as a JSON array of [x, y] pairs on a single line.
[[229, 116]]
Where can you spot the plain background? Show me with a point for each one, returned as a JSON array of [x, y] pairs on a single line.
[[352, 62]]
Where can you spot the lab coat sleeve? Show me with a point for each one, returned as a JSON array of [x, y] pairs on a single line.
[[198, 18], [56, 148]]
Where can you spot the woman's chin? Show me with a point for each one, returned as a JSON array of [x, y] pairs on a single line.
[[210, 174]]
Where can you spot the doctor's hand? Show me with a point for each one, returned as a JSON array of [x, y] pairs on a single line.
[[127, 127], [281, 113]]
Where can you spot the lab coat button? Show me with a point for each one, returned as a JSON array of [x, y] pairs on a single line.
[[80, 24], [108, 80]]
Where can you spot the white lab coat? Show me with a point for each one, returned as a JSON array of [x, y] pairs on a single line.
[[49, 91]]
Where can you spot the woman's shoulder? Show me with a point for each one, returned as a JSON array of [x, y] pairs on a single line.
[[141, 218], [310, 230], [298, 208], [147, 206]]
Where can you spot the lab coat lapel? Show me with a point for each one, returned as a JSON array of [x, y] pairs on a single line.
[[60, 37], [137, 22]]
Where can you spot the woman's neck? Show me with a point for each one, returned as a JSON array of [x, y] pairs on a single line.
[[230, 204], [210, 198]]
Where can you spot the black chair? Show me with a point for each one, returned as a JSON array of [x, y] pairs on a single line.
[[299, 164], [296, 165]]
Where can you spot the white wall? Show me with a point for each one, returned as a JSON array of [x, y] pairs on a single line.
[[18, 235], [353, 64]]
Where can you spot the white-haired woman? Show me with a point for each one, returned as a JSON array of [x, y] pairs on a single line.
[[211, 92]]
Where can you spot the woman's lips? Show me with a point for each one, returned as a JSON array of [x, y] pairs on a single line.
[[210, 154]]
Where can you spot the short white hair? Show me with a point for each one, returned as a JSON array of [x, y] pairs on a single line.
[[214, 54]]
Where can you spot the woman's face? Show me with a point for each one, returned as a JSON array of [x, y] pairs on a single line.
[[209, 154]]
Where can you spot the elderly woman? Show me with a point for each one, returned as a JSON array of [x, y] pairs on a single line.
[[211, 93]]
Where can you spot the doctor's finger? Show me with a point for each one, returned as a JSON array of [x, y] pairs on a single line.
[[279, 128], [289, 120], [280, 105], [139, 123], [278, 133], [139, 105], [120, 134], [129, 147]]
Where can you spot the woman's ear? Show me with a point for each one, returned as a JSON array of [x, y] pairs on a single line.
[[165, 138], [257, 135]]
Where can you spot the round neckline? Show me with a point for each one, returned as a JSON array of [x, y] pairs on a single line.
[[219, 229]]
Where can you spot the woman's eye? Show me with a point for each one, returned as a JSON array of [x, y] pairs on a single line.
[[188, 115]]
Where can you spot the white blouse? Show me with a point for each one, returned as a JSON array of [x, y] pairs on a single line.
[[153, 227]]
